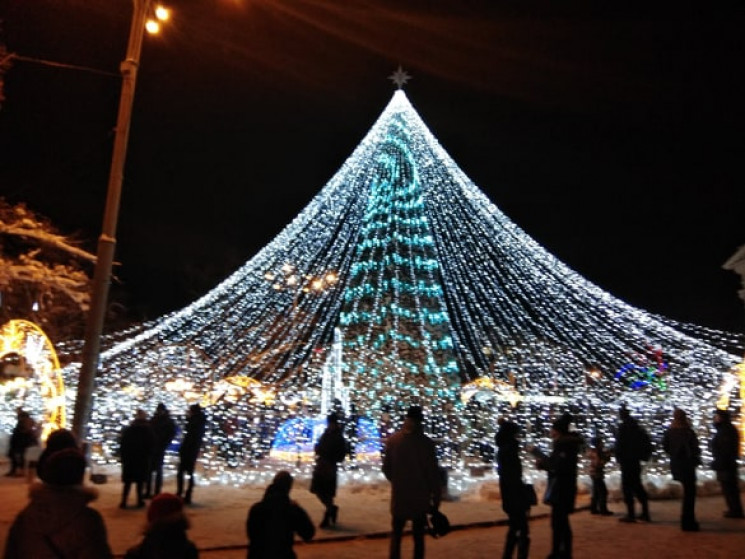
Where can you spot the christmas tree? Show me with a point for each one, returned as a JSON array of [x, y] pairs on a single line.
[[431, 286]]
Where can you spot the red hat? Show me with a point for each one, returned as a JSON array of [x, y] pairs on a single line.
[[164, 505]]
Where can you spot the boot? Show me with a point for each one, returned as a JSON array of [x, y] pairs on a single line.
[[334, 514], [326, 522], [509, 546]]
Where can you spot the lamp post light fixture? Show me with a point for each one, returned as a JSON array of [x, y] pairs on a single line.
[[145, 16]]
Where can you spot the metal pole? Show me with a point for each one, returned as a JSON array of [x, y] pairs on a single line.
[[107, 240]]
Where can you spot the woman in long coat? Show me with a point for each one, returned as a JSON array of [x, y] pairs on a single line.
[[330, 449], [681, 443]]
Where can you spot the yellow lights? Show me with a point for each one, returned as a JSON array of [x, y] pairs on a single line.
[[161, 14]]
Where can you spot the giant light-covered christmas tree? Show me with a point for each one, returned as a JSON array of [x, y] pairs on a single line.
[[430, 286]]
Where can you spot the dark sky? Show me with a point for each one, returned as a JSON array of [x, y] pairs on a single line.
[[613, 135]]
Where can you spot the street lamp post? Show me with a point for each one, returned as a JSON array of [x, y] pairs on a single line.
[[107, 240]]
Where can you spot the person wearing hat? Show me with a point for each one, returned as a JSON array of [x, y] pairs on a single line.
[[725, 451], [561, 490], [196, 424], [410, 464], [272, 523], [681, 443], [330, 449], [58, 521], [165, 532]]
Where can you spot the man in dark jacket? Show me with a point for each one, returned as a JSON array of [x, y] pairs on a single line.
[[681, 443], [137, 445], [410, 464], [164, 429], [196, 424], [273, 522], [628, 450], [725, 450], [512, 489], [561, 491]]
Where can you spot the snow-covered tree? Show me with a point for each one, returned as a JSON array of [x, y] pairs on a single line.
[[44, 276]]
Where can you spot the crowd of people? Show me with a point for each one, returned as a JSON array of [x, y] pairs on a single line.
[[59, 521]]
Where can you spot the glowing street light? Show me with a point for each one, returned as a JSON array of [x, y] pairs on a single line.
[[143, 10]]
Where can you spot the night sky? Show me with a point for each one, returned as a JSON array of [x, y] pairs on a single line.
[[615, 136]]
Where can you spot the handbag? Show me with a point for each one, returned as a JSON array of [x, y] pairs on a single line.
[[530, 496], [439, 525], [548, 495]]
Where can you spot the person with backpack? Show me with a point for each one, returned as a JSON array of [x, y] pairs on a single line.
[[633, 446]]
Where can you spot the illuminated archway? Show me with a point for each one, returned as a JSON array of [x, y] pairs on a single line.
[[29, 366]]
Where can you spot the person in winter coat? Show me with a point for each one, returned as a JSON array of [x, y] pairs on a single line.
[[56, 441], [561, 491], [136, 448], [725, 450], [196, 424], [164, 429], [58, 522], [598, 457], [165, 533], [273, 522], [514, 498], [330, 449], [24, 435], [410, 464], [628, 451], [681, 443]]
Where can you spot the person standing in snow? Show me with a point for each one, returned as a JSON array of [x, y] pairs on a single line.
[[196, 424], [410, 464]]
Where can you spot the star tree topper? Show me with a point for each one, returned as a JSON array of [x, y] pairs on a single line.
[[400, 77]]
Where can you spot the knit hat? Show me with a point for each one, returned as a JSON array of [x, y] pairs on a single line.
[[64, 467], [164, 505], [415, 413]]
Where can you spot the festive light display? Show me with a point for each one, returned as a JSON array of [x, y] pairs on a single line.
[[30, 376], [433, 287]]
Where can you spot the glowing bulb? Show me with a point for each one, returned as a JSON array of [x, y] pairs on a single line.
[[162, 13], [152, 27]]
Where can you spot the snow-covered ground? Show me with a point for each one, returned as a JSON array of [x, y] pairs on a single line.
[[219, 512]]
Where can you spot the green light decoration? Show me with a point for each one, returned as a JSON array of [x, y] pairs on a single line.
[[434, 288]]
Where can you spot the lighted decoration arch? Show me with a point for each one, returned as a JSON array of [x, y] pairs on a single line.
[[29, 365]]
